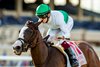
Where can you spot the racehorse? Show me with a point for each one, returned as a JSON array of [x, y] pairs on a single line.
[[48, 56]]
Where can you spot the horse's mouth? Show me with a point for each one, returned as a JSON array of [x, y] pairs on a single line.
[[17, 52]]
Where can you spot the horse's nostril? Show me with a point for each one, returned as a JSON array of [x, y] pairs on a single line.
[[18, 47]]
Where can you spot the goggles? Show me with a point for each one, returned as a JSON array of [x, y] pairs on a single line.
[[42, 16]]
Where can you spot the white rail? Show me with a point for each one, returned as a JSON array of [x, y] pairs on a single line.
[[16, 58]]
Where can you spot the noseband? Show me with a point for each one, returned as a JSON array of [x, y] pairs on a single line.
[[29, 43], [24, 44]]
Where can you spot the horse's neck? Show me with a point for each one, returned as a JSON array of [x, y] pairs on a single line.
[[40, 52]]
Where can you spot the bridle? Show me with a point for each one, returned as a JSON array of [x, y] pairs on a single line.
[[28, 44]]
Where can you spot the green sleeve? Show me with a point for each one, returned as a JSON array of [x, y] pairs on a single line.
[[65, 14]]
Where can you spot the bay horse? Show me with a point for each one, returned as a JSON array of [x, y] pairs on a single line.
[[48, 56]]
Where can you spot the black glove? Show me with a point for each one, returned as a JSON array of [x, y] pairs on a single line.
[[46, 38], [48, 42]]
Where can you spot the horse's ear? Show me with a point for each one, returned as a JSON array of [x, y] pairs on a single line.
[[30, 24]]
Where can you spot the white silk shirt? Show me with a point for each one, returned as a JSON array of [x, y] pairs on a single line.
[[56, 26]]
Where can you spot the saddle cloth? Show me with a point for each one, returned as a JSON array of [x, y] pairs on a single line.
[[79, 54]]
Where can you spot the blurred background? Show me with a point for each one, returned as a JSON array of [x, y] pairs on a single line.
[[14, 14]]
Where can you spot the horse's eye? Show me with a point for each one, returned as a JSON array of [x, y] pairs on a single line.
[[19, 31]]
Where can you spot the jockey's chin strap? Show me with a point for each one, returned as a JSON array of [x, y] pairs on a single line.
[[47, 19]]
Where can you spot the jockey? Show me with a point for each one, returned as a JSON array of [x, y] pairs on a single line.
[[58, 25]]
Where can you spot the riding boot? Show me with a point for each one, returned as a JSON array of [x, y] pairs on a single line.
[[72, 57], [71, 54]]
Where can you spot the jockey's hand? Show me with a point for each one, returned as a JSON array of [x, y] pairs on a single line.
[[61, 38], [46, 38]]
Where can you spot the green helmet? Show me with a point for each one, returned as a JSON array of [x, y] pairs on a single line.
[[42, 9]]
